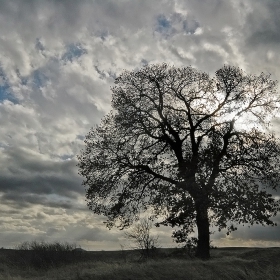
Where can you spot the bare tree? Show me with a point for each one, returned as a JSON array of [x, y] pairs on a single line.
[[141, 236], [194, 148]]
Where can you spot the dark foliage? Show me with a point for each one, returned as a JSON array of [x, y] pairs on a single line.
[[44, 255]]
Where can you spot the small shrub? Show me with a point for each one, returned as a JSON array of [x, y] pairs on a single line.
[[43, 254], [144, 241], [45, 246]]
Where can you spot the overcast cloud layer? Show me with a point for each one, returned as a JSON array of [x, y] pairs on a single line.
[[58, 60]]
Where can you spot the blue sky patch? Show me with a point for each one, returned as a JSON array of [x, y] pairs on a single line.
[[176, 23], [163, 25], [163, 22], [39, 78], [5, 94], [74, 51], [5, 91]]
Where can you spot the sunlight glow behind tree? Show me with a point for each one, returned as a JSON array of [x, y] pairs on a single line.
[[176, 141]]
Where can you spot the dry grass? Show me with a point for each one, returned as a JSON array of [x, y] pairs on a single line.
[[226, 263]]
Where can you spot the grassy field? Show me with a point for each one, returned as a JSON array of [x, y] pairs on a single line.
[[225, 263]]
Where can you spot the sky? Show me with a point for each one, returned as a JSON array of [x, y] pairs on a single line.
[[58, 60]]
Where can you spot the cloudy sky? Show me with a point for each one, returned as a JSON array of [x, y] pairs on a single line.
[[58, 59]]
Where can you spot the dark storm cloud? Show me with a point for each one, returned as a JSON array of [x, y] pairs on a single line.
[[258, 233], [264, 23], [27, 162], [55, 10], [52, 184], [26, 200], [24, 173], [254, 233]]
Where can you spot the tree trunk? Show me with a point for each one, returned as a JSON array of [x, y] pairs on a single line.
[[202, 221]]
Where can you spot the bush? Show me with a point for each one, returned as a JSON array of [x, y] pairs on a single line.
[[43, 254], [141, 236], [45, 246]]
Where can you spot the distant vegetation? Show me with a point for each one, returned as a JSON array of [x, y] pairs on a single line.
[[225, 263], [41, 254], [46, 246]]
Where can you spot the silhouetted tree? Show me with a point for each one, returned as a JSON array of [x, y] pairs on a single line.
[[143, 239], [194, 148]]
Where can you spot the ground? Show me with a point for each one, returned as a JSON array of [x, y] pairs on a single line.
[[225, 263]]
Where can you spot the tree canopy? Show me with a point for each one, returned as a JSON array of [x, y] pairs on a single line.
[[193, 148]]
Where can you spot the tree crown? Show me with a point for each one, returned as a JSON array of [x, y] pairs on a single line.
[[177, 137]]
